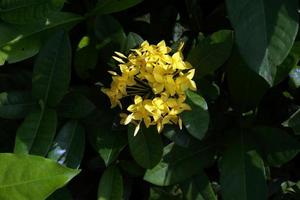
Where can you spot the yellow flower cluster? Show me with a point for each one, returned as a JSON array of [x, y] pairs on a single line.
[[158, 82]]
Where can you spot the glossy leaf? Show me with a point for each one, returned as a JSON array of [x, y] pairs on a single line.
[[211, 53], [265, 32], [196, 121], [107, 142], [29, 180], [28, 11], [75, 106], [111, 185], [146, 146], [68, 146], [198, 188], [112, 6], [52, 70], [19, 42], [277, 145], [16, 104], [36, 133], [178, 164], [242, 171]]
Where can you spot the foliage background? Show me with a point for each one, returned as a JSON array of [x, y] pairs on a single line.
[[240, 142]]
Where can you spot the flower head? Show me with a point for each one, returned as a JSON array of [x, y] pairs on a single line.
[[155, 81]]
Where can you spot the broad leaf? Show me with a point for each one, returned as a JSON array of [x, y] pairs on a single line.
[[198, 188], [36, 133], [242, 171], [75, 106], [28, 11], [112, 6], [265, 32], [111, 185], [180, 163], [31, 177], [146, 146], [16, 104], [211, 53], [68, 146], [179, 137], [19, 42], [52, 70], [278, 146], [196, 121]]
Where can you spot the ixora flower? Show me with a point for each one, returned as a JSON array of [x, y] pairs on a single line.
[[155, 83]]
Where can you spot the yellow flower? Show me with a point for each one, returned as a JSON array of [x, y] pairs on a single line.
[[157, 81]]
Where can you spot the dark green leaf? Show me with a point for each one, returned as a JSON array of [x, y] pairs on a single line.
[[111, 185], [68, 146], [198, 188], [75, 106], [112, 6], [163, 193], [265, 32], [210, 53], [146, 146], [132, 168], [16, 104], [28, 11], [196, 121], [245, 86], [295, 76], [180, 163], [242, 171], [61, 194], [31, 177], [179, 137], [294, 122], [52, 70], [133, 40], [278, 146], [36, 133], [19, 42]]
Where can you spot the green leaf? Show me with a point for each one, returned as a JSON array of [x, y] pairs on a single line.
[[179, 137], [295, 76], [180, 163], [16, 104], [36, 133], [52, 70], [242, 171], [19, 42], [278, 147], [111, 185], [245, 86], [68, 146], [112, 6], [107, 142], [294, 122], [61, 194], [146, 146], [109, 30], [198, 188], [211, 53], [132, 168], [265, 32], [163, 193], [75, 106], [196, 121], [31, 177], [133, 40], [28, 11]]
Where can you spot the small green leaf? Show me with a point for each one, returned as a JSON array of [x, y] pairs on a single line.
[[265, 32], [36, 133], [196, 121], [180, 163], [112, 6], [111, 185], [28, 11], [242, 171], [295, 76], [75, 106], [211, 53], [294, 122], [68, 146], [146, 146], [52, 70], [16, 104], [31, 177], [198, 188], [277, 145]]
